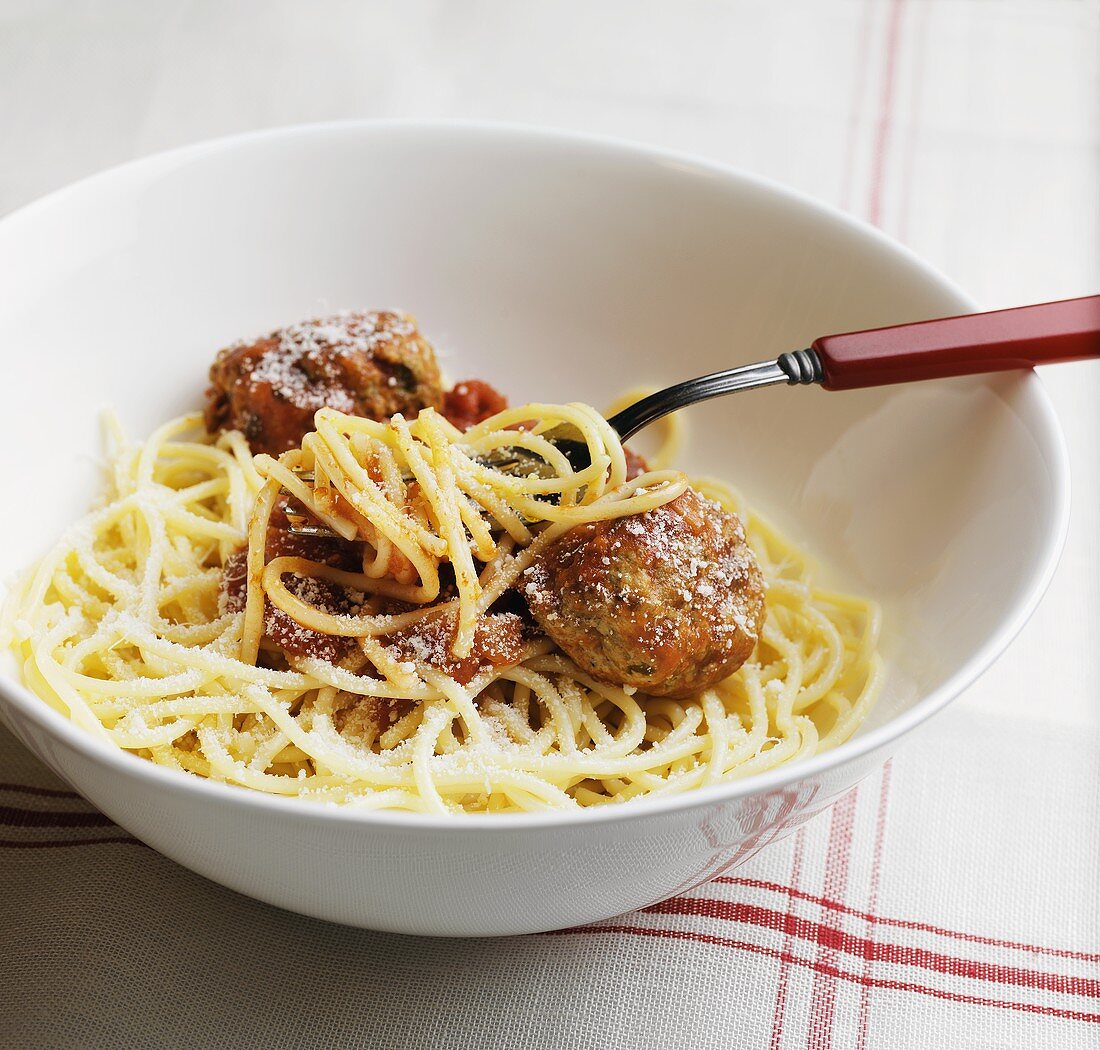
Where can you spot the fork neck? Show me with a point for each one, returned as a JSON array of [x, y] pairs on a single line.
[[802, 367]]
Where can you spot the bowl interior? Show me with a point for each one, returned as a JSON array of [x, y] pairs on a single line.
[[558, 269]]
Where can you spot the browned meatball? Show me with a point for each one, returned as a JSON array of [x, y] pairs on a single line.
[[366, 364], [670, 601]]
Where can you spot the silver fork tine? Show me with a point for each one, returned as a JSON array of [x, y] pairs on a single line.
[[302, 525]]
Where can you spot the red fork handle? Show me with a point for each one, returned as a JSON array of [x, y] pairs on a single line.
[[958, 346]]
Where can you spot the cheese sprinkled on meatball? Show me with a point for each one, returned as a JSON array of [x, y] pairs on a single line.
[[670, 601]]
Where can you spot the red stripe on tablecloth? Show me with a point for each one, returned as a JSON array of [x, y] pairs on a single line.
[[839, 850], [34, 818], [884, 126], [872, 902], [788, 944], [27, 789], [907, 924], [60, 843], [837, 941], [811, 964]]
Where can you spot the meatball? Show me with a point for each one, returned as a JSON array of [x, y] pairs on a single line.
[[366, 364], [670, 601]]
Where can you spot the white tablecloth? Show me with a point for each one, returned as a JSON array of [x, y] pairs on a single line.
[[954, 900]]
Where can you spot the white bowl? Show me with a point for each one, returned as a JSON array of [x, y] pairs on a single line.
[[560, 268]]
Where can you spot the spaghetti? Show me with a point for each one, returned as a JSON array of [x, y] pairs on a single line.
[[125, 626]]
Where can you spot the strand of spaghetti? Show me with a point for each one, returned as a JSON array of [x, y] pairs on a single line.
[[564, 732], [612, 445], [221, 664], [785, 750], [50, 673], [197, 525], [194, 705], [437, 487], [595, 431], [518, 728], [510, 765], [756, 732], [847, 725], [360, 490], [403, 675], [683, 742], [151, 560], [396, 742], [147, 457], [394, 487], [334, 752], [574, 708], [73, 592], [562, 480], [484, 546], [827, 646], [138, 734], [597, 731], [269, 750], [868, 612], [234, 443], [225, 766], [253, 625], [338, 624], [321, 673], [424, 748], [461, 702], [491, 500], [404, 542], [116, 445], [274, 471], [525, 789], [375, 511], [631, 731], [718, 728], [633, 497], [441, 773], [391, 623], [104, 638], [526, 490], [185, 681], [79, 543], [37, 584]]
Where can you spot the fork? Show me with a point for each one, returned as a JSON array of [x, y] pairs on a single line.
[[969, 344]]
